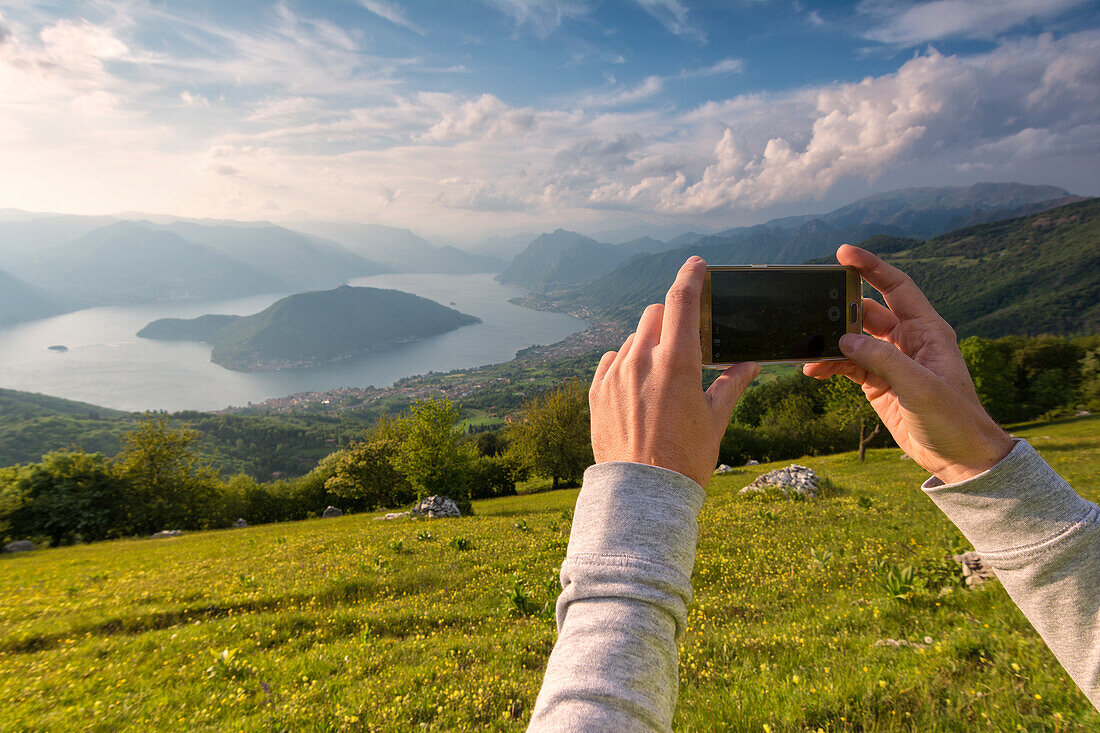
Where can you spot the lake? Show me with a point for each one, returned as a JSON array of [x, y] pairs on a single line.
[[107, 364]]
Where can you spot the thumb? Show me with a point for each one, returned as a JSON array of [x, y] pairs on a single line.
[[724, 392], [884, 359]]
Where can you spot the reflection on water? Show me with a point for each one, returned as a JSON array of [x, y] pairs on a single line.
[[106, 364]]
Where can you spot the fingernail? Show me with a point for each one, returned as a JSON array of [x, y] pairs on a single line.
[[693, 259], [851, 342]]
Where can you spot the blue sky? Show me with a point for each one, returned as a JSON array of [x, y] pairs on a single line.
[[457, 119]]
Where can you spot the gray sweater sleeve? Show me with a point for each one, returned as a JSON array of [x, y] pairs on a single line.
[[1043, 541], [626, 584]]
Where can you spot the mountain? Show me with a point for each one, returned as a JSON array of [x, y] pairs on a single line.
[[131, 262], [622, 293], [306, 262], [503, 247], [21, 301], [564, 259], [1032, 275], [398, 249], [927, 212], [315, 327], [33, 237]]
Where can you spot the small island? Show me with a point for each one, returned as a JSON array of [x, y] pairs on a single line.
[[313, 328], [58, 347]]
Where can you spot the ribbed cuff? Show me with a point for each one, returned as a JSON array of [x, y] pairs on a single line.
[[1018, 503]]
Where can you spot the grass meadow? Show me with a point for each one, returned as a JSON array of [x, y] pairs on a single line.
[[353, 624]]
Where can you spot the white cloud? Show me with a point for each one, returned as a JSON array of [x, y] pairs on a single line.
[[725, 66], [542, 16], [390, 12], [673, 15], [929, 21], [648, 88]]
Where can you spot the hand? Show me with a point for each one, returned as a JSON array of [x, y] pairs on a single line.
[[647, 400], [914, 376]]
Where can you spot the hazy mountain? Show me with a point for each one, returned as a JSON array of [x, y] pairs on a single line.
[[623, 292], [503, 247], [129, 262], [926, 212], [563, 259], [306, 262], [28, 237], [627, 233], [1032, 275], [21, 301], [560, 259], [311, 328], [398, 249]]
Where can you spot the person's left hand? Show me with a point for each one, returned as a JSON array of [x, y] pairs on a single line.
[[647, 401]]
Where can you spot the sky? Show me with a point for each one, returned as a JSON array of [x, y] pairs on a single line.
[[461, 118]]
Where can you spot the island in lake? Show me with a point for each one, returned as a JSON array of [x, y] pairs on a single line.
[[313, 328]]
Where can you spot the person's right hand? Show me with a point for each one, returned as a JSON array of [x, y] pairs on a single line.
[[914, 376]]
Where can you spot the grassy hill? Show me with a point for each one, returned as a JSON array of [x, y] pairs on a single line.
[[349, 624], [1037, 274]]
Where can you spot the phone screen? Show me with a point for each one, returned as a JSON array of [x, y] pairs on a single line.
[[776, 315]]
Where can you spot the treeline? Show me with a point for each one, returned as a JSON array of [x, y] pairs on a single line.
[[159, 480], [1017, 378], [162, 479]]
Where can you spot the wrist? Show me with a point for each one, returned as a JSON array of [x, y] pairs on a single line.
[[984, 454]]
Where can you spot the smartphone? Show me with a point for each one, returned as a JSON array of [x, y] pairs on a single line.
[[776, 314]]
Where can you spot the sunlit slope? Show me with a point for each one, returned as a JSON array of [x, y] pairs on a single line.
[[354, 624]]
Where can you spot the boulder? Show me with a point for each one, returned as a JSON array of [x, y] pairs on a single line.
[[752, 462], [19, 546], [792, 481], [435, 507], [331, 511], [166, 534], [722, 469], [974, 571], [240, 523]]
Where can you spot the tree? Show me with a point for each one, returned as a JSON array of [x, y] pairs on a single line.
[[991, 369], [363, 477], [428, 452], [845, 401], [69, 496], [553, 434], [171, 486]]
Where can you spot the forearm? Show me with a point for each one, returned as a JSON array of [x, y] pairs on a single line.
[[1043, 541], [626, 581]]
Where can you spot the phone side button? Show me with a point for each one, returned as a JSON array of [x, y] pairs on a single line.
[[852, 313]]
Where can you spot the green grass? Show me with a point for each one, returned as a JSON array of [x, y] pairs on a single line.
[[351, 624]]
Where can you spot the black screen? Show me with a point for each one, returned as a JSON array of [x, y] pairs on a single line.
[[772, 315]]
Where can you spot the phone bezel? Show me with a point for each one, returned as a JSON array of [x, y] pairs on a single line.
[[853, 294]]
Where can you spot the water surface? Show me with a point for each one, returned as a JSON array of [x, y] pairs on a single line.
[[107, 364]]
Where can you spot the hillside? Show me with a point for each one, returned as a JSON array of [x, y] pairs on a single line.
[[399, 249], [20, 301], [625, 291], [307, 263], [315, 327], [131, 262], [329, 623], [914, 212], [1037, 274]]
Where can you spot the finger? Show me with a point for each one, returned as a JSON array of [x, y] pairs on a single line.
[[649, 327], [887, 361], [724, 392], [680, 330], [878, 320], [898, 289], [624, 350], [829, 369], [605, 363]]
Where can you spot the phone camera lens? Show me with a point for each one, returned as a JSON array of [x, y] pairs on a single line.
[[834, 293], [834, 314]]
